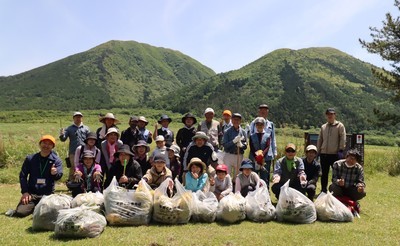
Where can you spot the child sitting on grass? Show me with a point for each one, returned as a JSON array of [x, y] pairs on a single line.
[[246, 180], [196, 178], [88, 174], [158, 173], [221, 185]]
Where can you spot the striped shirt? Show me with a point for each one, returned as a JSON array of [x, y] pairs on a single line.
[[352, 176]]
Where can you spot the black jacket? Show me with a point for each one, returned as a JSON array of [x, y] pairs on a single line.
[[133, 172]]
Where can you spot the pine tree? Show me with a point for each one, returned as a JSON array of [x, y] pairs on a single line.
[[386, 43]]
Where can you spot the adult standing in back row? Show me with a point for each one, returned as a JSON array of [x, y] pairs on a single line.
[[108, 121], [331, 143], [77, 133], [269, 129], [211, 128]]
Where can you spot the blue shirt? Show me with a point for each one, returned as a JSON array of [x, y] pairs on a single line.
[[270, 131], [229, 145], [37, 167], [76, 135], [195, 184]]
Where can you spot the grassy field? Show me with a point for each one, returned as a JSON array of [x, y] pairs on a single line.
[[379, 225], [379, 222]]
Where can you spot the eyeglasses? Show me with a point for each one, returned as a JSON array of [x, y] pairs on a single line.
[[290, 151]]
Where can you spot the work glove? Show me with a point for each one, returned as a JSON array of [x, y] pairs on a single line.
[[236, 139]]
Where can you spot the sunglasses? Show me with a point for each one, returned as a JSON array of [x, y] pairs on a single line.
[[290, 151]]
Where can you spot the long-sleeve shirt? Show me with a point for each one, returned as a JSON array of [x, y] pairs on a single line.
[[243, 181], [88, 176], [205, 153], [105, 155], [195, 184], [229, 145], [332, 138], [154, 179], [130, 136], [144, 134], [168, 135], [161, 151], [270, 131], [79, 153], [353, 176], [76, 135], [222, 187], [133, 172], [283, 171], [184, 137], [312, 170], [36, 167]]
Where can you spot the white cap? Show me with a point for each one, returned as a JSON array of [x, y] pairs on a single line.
[[311, 147], [209, 110], [77, 113], [160, 138]]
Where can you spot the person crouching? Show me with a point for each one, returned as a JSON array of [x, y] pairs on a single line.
[[246, 180], [87, 174], [289, 167], [221, 185], [126, 170], [196, 178]]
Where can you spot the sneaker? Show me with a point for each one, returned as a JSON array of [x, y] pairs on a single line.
[[10, 212]]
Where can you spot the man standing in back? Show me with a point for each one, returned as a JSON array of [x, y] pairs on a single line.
[[331, 143], [76, 133], [211, 128]]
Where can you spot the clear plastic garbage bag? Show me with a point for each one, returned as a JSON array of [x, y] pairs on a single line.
[[80, 222], [232, 208], [205, 206], [172, 210], [258, 204], [295, 207], [46, 211], [329, 208], [128, 207]]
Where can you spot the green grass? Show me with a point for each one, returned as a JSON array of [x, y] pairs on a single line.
[[379, 224]]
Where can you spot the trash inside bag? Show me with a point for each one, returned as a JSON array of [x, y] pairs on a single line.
[[128, 207], [294, 207], [172, 210], [205, 206], [80, 222], [46, 211], [232, 208], [90, 200], [329, 208], [258, 204]]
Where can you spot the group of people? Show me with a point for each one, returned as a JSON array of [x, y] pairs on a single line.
[[207, 156]]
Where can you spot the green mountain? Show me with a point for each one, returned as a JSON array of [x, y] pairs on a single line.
[[113, 74], [298, 85]]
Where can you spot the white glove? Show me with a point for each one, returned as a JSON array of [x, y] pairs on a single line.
[[236, 139], [239, 144]]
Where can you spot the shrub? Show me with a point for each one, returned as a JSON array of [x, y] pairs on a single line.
[[394, 163]]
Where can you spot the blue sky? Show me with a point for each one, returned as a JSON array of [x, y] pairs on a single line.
[[223, 35]]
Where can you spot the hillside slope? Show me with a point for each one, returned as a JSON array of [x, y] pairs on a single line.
[[298, 85], [116, 73]]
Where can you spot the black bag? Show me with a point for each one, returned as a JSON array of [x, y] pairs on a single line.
[[68, 162]]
